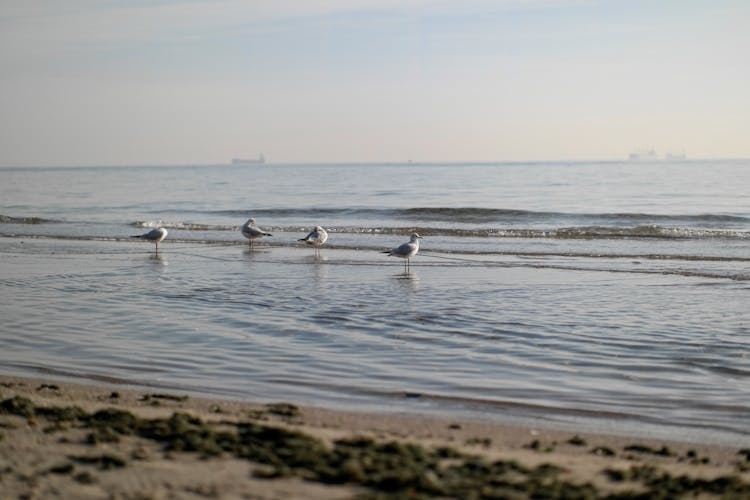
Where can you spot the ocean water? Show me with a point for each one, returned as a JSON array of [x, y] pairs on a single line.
[[607, 296]]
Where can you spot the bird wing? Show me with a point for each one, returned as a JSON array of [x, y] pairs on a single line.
[[404, 249], [152, 235], [252, 231]]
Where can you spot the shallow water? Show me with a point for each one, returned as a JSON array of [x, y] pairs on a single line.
[[606, 296]]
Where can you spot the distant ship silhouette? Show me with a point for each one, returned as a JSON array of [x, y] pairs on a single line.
[[650, 155], [249, 161], [643, 154], [675, 156]]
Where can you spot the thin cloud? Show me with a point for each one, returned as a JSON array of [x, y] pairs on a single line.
[[80, 22]]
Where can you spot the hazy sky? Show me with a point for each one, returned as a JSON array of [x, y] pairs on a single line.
[[86, 82]]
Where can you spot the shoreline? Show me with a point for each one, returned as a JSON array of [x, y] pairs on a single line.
[[409, 404], [48, 450]]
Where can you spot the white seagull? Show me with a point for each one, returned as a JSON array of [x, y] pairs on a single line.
[[407, 250], [155, 235], [251, 231], [316, 238]]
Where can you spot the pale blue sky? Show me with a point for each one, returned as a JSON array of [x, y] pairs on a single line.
[[88, 82]]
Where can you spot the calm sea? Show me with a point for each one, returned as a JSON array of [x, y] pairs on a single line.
[[609, 296]]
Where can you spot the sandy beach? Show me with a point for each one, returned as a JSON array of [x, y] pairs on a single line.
[[69, 440]]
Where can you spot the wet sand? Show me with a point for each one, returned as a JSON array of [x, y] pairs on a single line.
[[66, 440]]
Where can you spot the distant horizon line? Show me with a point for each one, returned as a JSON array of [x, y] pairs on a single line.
[[382, 163]]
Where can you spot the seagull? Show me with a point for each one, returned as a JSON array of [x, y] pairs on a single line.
[[155, 235], [316, 238], [407, 250], [251, 231]]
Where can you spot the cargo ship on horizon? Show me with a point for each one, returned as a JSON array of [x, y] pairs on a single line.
[[249, 161]]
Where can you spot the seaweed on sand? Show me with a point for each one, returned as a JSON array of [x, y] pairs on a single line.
[[394, 468]]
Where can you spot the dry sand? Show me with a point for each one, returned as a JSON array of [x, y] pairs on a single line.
[[56, 454]]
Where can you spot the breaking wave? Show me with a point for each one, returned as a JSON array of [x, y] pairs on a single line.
[[186, 226], [6, 219], [484, 215], [566, 233]]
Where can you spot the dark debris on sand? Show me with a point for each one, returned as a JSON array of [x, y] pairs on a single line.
[[387, 469]]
